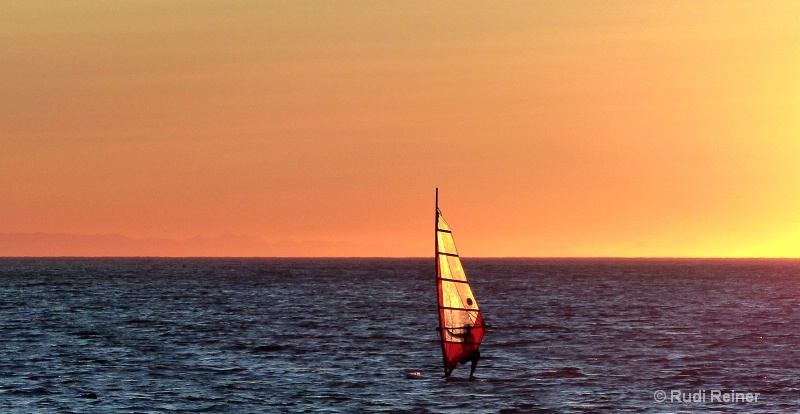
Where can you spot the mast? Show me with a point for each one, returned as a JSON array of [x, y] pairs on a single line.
[[438, 282]]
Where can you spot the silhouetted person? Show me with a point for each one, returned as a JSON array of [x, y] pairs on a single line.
[[473, 356]]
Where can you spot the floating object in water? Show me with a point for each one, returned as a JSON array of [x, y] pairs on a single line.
[[413, 374]]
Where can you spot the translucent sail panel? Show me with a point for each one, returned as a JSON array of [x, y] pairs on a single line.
[[458, 296], [454, 291], [459, 311], [450, 267], [457, 323], [445, 238]]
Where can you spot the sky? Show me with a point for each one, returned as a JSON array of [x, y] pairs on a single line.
[[320, 128]]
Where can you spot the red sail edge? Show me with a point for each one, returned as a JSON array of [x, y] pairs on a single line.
[[461, 327]]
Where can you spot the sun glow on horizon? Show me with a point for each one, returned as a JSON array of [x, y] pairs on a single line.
[[552, 128]]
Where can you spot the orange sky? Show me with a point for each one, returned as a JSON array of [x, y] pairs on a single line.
[[305, 128]]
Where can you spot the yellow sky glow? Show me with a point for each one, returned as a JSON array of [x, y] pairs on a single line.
[[307, 128]]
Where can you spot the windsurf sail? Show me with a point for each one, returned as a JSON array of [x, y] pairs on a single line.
[[461, 326]]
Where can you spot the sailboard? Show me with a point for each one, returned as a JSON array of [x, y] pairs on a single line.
[[461, 326]]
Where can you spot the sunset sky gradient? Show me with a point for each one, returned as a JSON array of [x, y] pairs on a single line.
[[321, 128]]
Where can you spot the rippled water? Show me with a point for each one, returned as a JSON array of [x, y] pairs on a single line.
[[299, 335]]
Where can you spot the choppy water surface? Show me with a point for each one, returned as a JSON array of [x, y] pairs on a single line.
[[299, 335]]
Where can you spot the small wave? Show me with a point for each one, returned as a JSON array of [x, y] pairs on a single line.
[[270, 348], [237, 387], [545, 327], [214, 408], [238, 346], [30, 391], [86, 334], [138, 321], [517, 344], [523, 408], [566, 372]]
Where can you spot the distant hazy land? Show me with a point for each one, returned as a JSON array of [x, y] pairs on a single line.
[[57, 244]]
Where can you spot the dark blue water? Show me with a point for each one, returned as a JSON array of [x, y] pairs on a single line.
[[299, 335]]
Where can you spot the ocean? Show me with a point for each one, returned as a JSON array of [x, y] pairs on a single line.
[[119, 335]]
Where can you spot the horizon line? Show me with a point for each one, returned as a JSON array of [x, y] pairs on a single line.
[[423, 257]]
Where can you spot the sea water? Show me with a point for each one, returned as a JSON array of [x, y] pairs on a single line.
[[342, 335]]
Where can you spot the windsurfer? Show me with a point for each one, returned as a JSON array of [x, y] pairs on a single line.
[[473, 356]]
